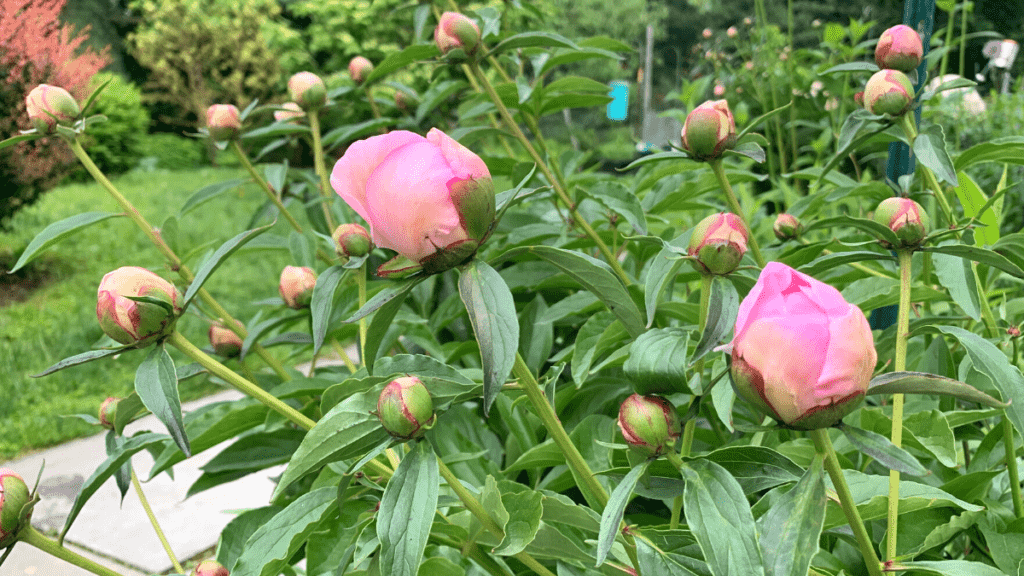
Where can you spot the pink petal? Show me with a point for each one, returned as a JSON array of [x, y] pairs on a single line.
[[353, 170], [850, 359], [463, 162]]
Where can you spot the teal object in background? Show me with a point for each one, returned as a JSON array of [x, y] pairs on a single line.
[[617, 108]]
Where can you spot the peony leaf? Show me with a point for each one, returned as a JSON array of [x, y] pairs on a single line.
[[82, 359], [156, 383], [612, 515], [930, 150], [239, 530], [56, 232], [885, 452], [378, 328], [213, 262], [322, 303], [723, 306], [274, 543], [657, 362], [661, 271], [533, 40], [398, 60], [492, 312], [792, 526], [407, 511]]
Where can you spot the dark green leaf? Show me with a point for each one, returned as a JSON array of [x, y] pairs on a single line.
[[661, 271], [829, 261], [930, 149], [239, 530], [723, 306], [657, 362], [885, 452], [655, 561], [585, 348], [751, 150], [56, 232], [350, 132], [533, 40], [127, 408], [621, 200], [256, 452], [81, 359], [213, 262], [852, 67], [949, 568], [973, 200], [123, 475], [612, 515], [407, 511], [276, 129], [756, 468], [398, 60], [492, 312], [379, 326], [210, 425], [390, 291], [273, 544], [957, 276], [660, 156], [792, 526], [525, 510], [1008, 150], [20, 138], [922, 383], [322, 303], [873, 228], [156, 382]]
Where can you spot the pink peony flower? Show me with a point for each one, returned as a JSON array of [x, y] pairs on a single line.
[[210, 568], [129, 321], [801, 353], [732, 32], [296, 286], [899, 48], [48, 106], [429, 199], [719, 90], [456, 31], [223, 121], [707, 33]]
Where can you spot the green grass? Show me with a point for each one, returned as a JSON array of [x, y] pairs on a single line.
[[59, 319]]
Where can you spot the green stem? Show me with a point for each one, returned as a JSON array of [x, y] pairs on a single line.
[[31, 536], [264, 185], [824, 447], [373, 106], [156, 525], [477, 510], [175, 262], [361, 283], [734, 207], [321, 170], [677, 502], [963, 35], [949, 39], [1011, 467], [899, 365], [512, 125]]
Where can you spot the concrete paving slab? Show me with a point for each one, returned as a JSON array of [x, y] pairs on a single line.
[[29, 561], [121, 530]]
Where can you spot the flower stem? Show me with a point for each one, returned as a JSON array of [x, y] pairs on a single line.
[[824, 447], [373, 106], [592, 490], [175, 262], [512, 125], [156, 525], [361, 283], [899, 365], [31, 536], [321, 169], [734, 207], [477, 510], [264, 185], [1011, 467]]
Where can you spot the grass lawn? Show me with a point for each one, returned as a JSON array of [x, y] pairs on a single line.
[[58, 319]]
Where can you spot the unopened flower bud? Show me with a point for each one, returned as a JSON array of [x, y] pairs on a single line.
[[290, 111], [719, 90], [223, 122], [224, 341], [402, 101], [1013, 332], [351, 241], [405, 408], [787, 227], [707, 33], [858, 99], [888, 92], [210, 568], [108, 412], [296, 286], [359, 68], [14, 495], [904, 217], [132, 322], [456, 31], [307, 90], [649, 424], [718, 243], [732, 32], [899, 48], [48, 106], [709, 130]]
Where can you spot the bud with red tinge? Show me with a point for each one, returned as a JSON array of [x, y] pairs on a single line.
[[888, 92], [456, 31], [351, 241], [858, 99], [405, 408], [359, 68], [904, 217], [224, 341], [307, 90], [129, 321], [224, 122], [289, 111], [718, 243], [210, 568], [787, 227], [709, 130], [14, 495], [296, 286], [48, 106], [108, 412], [649, 424], [899, 48]]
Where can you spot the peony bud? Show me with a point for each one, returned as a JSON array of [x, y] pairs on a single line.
[[405, 408], [210, 568], [732, 32], [858, 99], [108, 412], [51, 105], [787, 227], [307, 90], [709, 130], [435, 216], [359, 68], [289, 111], [719, 90], [649, 424], [706, 33], [223, 122], [888, 92], [904, 217], [718, 243], [224, 341], [351, 241], [131, 322], [402, 101], [899, 48], [14, 495], [296, 286], [801, 353], [456, 31]]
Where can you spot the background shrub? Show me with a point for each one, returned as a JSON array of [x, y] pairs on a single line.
[[116, 145], [170, 152]]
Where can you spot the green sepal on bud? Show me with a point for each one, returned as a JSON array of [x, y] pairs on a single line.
[[649, 424], [709, 130], [787, 227], [718, 244], [888, 92], [405, 408], [307, 90], [15, 508], [906, 218], [456, 32], [351, 241], [108, 412]]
